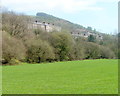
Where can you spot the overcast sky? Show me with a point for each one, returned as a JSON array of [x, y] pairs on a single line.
[[99, 14]]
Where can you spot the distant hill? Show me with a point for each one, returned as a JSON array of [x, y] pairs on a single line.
[[64, 24]]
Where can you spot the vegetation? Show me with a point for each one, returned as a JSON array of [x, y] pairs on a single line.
[[13, 49], [72, 77], [39, 51], [21, 44], [37, 47], [91, 38]]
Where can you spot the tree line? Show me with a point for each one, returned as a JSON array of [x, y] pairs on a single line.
[[20, 44]]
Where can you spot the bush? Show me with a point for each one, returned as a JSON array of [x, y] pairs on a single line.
[[14, 24], [92, 51], [14, 62], [62, 43], [12, 48], [91, 38], [106, 53], [39, 51], [77, 51]]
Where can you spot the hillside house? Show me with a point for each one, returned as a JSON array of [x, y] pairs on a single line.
[[84, 33], [44, 26]]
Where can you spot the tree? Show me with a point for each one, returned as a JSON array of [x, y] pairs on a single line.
[[77, 52], [39, 51], [12, 49], [14, 24], [91, 38], [94, 31], [62, 43], [89, 28], [92, 50], [105, 52]]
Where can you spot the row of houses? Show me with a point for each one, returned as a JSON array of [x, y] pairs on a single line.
[[44, 26], [48, 27], [84, 33]]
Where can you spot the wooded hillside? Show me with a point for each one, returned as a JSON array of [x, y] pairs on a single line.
[[21, 44]]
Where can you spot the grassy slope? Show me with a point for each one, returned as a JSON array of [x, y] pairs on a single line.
[[76, 77]]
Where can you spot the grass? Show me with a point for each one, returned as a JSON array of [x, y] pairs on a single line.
[[72, 77]]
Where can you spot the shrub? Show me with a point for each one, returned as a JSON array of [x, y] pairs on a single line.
[[62, 43], [14, 62], [77, 51], [91, 38], [105, 52], [39, 51], [12, 48], [92, 51]]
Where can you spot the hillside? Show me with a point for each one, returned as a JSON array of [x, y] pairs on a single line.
[[34, 45], [64, 24]]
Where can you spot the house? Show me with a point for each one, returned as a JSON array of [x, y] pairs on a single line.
[[84, 33], [44, 26]]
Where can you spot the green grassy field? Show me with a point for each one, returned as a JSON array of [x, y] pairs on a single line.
[[72, 77]]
